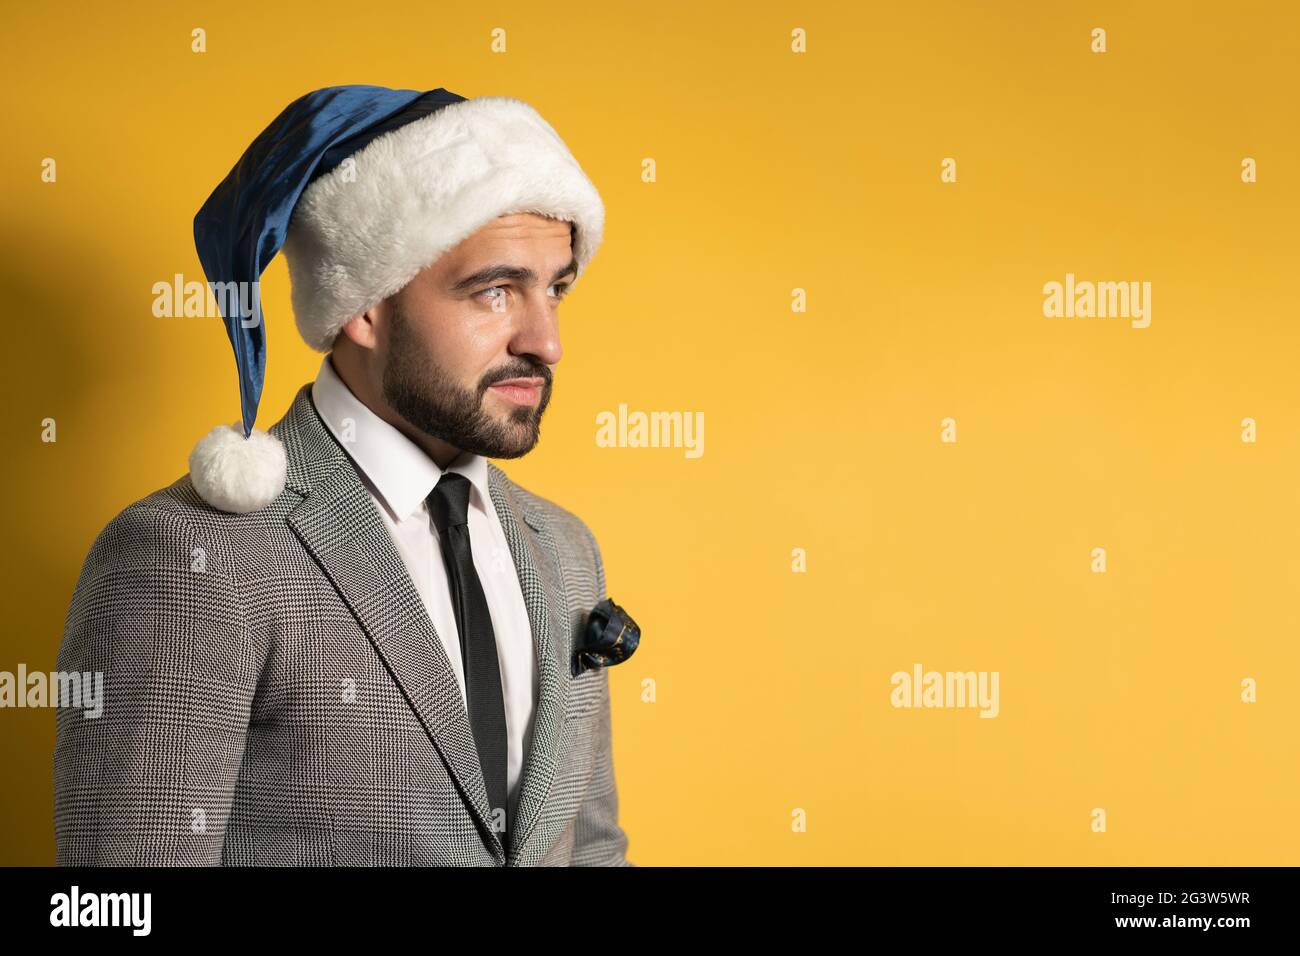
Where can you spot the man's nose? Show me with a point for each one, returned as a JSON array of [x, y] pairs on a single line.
[[537, 330]]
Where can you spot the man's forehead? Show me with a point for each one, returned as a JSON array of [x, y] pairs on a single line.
[[528, 223], [509, 243]]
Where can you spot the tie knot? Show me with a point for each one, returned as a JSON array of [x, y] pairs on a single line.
[[449, 501]]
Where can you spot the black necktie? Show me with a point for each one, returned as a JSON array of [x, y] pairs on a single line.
[[449, 506]]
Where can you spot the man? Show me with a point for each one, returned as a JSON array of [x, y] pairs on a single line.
[[349, 640]]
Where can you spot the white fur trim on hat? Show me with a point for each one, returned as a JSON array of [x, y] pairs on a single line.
[[238, 474], [362, 231]]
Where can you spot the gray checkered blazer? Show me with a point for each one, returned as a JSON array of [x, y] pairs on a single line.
[[275, 692]]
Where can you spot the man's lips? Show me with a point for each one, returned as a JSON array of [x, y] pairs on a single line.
[[522, 391]]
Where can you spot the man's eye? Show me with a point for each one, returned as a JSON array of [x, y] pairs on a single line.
[[561, 289]]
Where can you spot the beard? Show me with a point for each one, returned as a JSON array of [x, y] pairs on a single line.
[[431, 400]]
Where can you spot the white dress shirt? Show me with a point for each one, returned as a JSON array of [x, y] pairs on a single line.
[[400, 477]]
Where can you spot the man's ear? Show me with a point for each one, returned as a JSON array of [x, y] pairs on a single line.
[[360, 329]]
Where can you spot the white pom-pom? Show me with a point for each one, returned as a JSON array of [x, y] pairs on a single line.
[[238, 474]]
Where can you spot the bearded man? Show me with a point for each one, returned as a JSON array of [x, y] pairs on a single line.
[[352, 639]]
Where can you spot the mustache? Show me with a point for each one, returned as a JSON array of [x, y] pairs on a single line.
[[529, 371]]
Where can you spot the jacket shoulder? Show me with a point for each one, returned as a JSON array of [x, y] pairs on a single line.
[[174, 526], [564, 522], [576, 542], [172, 512]]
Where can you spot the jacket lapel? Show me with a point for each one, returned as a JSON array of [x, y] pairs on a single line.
[[536, 560], [338, 523]]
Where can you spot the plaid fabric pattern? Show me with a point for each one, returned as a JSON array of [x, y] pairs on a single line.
[[275, 692]]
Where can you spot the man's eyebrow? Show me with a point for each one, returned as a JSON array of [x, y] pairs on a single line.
[[519, 274]]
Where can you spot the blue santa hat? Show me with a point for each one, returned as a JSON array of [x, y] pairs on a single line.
[[362, 187]]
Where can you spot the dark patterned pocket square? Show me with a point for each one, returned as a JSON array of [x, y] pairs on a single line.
[[610, 638]]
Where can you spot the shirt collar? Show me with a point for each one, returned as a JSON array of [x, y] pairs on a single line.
[[396, 469]]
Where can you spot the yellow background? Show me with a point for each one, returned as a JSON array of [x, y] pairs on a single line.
[[777, 171]]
